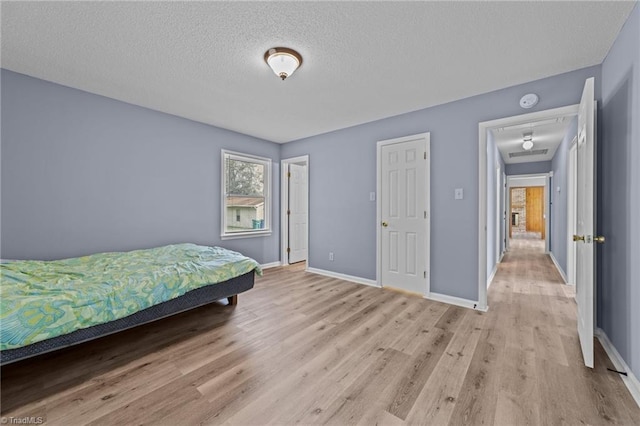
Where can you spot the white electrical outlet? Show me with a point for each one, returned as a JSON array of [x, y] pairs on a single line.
[[372, 196], [331, 256], [459, 194]]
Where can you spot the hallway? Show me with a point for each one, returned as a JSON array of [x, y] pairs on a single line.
[[538, 311]]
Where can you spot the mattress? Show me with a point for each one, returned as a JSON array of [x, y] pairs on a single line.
[[41, 300], [190, 300]]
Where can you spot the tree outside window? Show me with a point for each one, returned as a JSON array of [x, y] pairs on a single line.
[[245, 195]]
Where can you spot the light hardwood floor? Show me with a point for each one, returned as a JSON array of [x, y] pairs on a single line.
[[305, 349]]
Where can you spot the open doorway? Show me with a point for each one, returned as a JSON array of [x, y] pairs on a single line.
[[524, 277], [522, 146], [528, 210], [295, 210], [527, 213]]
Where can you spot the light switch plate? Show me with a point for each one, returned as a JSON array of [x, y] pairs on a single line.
[[459, 194], [372, 196]]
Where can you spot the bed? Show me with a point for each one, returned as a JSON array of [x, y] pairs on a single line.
[[48, 305]]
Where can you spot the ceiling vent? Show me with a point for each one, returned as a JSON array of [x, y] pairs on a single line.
[[526, 153]]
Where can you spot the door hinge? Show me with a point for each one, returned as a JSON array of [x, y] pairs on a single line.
[[425, 155], [425, 274], [288, 174], [425, 214], [288, 212], [288, 250]]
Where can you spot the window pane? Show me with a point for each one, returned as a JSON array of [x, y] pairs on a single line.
[[244, 178], [245, 194], [244, 213]]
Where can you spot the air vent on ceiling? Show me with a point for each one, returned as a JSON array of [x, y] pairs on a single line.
[[525, 153]]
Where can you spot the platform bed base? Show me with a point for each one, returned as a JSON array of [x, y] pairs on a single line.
[[190, 300]]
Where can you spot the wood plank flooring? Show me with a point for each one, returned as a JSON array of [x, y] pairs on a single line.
[[306, 349]]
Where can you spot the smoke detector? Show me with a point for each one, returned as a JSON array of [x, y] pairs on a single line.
[[529, 100]]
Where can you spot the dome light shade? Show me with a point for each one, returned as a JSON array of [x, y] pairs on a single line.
[[527, 145], [283, 61]]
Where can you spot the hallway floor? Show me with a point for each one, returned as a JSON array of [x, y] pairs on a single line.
[[539, 311]]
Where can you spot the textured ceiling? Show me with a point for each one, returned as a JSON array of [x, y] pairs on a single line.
[[362, 60]]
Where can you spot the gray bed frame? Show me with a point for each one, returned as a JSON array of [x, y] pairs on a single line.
[[195, 298]]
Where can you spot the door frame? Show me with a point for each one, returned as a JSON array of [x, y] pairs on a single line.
[[427, 207], [284, 203], [572, 175], [547, 188], [483, 127], [499, 204]]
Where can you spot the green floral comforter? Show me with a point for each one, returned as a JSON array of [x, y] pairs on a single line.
[[43, 299]]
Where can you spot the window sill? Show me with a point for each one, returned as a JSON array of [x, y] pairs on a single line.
[[238, 235]]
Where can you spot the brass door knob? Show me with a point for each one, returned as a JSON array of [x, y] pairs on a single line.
[[385, 224], [599, 239], [578, 238]]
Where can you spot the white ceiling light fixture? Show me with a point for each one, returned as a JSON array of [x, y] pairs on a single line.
[[283, 61], [528, 141]]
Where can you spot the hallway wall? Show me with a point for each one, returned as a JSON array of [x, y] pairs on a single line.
[[558, 199], [619, 198]]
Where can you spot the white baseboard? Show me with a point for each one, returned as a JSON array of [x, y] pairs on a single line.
[[630, 379], [495, 270], [555, 262], [457, 301], [345, 277], [270, 265], [451, 300], [493, 274]]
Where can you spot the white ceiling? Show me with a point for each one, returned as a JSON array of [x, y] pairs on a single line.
[[362, 60], [547, 134]]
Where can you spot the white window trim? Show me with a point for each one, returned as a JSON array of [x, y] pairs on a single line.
[[267, 195]]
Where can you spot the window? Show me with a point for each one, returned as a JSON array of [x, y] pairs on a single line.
[[245, 195]]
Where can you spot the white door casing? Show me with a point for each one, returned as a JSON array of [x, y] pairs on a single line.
[[585, 223], [505, 215], [298, 201], [403, 213], [498, 215], [483, 127], [571, 211]]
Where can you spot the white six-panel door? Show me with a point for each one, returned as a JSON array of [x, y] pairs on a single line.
[[585, 223], [403, 167], [298, 202]]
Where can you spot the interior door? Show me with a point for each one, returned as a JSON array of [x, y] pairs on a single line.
[[585, 222], [403, 199], [535, 210], [298, 202]]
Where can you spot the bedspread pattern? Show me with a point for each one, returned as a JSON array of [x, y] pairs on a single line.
[[44, 299]]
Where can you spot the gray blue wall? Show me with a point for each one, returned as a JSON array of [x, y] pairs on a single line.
[[558, 200], [82, 173], [529, 168], [619, 194], [342, 173]]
